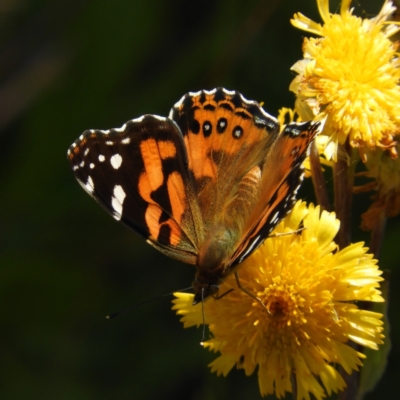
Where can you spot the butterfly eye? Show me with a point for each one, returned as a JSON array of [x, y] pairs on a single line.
[[237, 132]]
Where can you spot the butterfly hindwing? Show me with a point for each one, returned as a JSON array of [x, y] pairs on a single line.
[[227, 138], [281, 178]]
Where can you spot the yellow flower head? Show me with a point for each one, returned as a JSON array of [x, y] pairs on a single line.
[[350, 76], [308, 288]]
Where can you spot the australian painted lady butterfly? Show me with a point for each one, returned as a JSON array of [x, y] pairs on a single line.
[[205, 186]]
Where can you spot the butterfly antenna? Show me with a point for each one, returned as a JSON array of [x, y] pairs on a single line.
[[203, 336], [118, 313]]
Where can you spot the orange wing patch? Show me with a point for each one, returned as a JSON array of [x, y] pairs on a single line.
[[153, 153], [177, 197], [153, 177]]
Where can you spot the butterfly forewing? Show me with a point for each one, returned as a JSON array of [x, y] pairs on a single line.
[[138, 173]]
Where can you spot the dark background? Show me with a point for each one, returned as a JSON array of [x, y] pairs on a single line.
[[71, 65]]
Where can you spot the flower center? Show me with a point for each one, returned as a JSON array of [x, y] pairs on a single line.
[[284, 305]]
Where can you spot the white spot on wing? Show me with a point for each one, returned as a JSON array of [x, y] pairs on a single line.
[[123, 127], [86, 152], [250, 248], [126, 140], [159, 118], [109, 143], [213, 91], [89, 186], [229, 92], [101, 158], [181, 100], [275, 217], [194, 94], [116, 161], [117, 201], [91, 165]]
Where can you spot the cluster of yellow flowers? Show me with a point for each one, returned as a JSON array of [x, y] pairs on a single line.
[[349, 79], [308, 286]]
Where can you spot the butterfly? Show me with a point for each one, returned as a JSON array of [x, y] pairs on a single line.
[[205, 186]]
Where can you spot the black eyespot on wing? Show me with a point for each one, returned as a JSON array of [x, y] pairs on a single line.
[[185, 120], [222, 125], [207, 128], [237, 132], [194, 126]]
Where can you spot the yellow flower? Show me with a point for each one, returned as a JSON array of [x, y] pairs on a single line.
[[350, 77], [308, 288]]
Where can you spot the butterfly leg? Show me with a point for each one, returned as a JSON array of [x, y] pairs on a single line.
[[223, 294], [248, 292]]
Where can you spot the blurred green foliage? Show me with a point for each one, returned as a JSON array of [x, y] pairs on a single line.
[[70, 65]]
